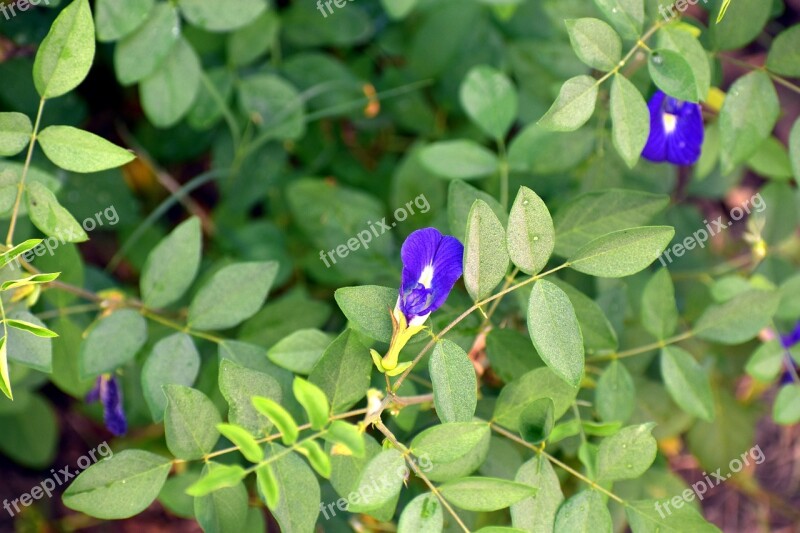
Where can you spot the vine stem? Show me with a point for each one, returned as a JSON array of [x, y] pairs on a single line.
[[406, 453], [21, 186], [775, 77], [642, 349]]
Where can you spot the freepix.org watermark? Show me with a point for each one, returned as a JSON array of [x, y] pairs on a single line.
[[668, 12], [10, 11], [710, 481], [364, 237], [338, 3], [57, 479], [715, 227]]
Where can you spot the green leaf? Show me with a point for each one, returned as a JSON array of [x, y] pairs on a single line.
[[174, 360], [31, 430], [484, 494], [80, 151], [454, 449], [190, 422], [313, 401], [143, 51], [49, 216], [644, 517], [423, 514], [622, 253], [598, 333], [459, 159], [786, 410], [538, 151], [537, 513], [223, 510], [316, 457], [490, 100], [627, 454], [659, 310], [343, 372], [347, 435], [380, 482], [615, 395], [218, 477], [169, 92], [784, 54], [511, 354], [66, 53], [15, 133], [555, 332], [627, 16], [280, 417], [5, 384], [29, 341], [485, 256], [771, 160], [252, 41], [36, 279], [585, 511], [738, 320], [239, 385], [531, 237], [747, 118], [677, 39], [119, 487], [687, 382], [574, 105], [125, 330], [16, 251], [536, 420], [460, 197], [172, 265], [300, 351], [268, 485], [630, 119], [39, 331], [673, 74], [596, 214], [299, 503], [117, 18], [538, 383], [206, 14], [743, 22], [274, 105], [454, 384], [243, 440], [595, 43], [766, 362], [234, 294], [367, 308]]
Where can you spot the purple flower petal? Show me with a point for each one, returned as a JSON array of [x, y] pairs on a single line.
[[656, 148], [676, 131], [113, 414]]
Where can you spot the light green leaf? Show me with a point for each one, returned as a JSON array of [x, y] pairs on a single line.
[[531, 237], [274, 105], [595, 43], [172, 265], [15, 133], [217, 477], [300, 351], [367, 308], [454, 449], [49, 216], [677, 39], [460, 197], [659, 310], [125, 330], [615, 395], [644, 517], [343, 372], [169, 92], [459, 159], [35, 329], [747, 118], [224, 510], [317, 458], [423, 514], [454, 384], [786, 410], [119, 487], [174, 360], [574, 105], [80, 151], [484, 494], [784, 54], [380, 481], [234, 294], [253, 40], [66, 53], [622, 253], [5, 383], [627, 16], [299, 502], [627, 454], [771, 160], [117, 18], [537, 513], [739, 319], [630, 119], [268, 485], [555, 332], [249, 448], [313, 401], [538, 383], [29, 342], [347, 435], [280, 417], [190, 422], [766, 362], [687, 382], [584, 512], [36, 279], [742, 22], [207, 14], [16, 251], [672, 73], [143, 51], [485, 256], [598, 333], [238, 386], [490, 100]]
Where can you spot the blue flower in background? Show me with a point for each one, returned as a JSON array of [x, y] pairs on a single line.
[[676, 131], [432, 263], [789, 340], [106, 390]]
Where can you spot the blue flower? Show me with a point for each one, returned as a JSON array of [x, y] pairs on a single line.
[[788, 341], [106, 390], [432, 263], [676, 131]]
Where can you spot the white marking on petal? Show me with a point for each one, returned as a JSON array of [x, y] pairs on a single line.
[[419, 320], [670, 122], [426, 277]]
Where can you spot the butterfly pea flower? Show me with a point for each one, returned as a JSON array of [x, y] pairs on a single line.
[[107, 391], [432, 263], [676, 131], [788, 341]]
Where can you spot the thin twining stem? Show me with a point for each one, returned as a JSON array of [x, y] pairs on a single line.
[[642, 349]]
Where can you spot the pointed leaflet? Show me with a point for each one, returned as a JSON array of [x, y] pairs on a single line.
[[531, 237], [574, 105], [687, 382], [485, 256], [630, 119], [454, 383], [622, 253], [80, 151], [172, 265]]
